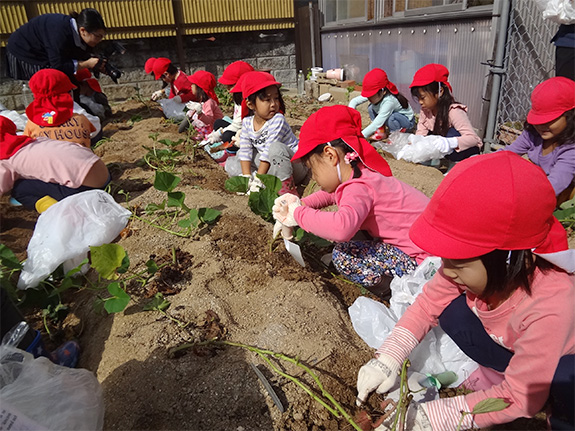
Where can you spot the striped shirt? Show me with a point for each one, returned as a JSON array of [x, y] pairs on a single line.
[[275, 129]]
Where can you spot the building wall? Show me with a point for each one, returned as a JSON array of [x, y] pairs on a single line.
[[265, 50]]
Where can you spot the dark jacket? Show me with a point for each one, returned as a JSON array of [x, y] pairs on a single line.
[[49, 41]]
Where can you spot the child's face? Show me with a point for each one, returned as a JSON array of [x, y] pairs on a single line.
[[427, 100], [376, 98], [269, 106], [469, 273], [549, 131], [324, 169], [168, 77], [194, 89]]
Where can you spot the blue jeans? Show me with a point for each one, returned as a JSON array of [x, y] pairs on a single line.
[[467, 331], [395, 121]]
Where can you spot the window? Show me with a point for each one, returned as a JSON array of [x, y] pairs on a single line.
[[337, 11], [421, 7]]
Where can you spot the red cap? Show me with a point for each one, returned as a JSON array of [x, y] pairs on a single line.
[[334, 122], [233, 72], [253, 82], [206, 81], [10, 143], [160, 66], [551, 99], [84, 75], [53, 103], [467, 217], [149, 65], [431, 73], [238, 87], [375, 80]]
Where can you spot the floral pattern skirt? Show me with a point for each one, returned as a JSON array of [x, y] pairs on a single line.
[[365, 262]]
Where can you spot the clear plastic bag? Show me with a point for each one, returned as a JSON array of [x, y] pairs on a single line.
[[419, 151], [172, 109], [36, 394], [66, 230], [559, 11], [436, 353]]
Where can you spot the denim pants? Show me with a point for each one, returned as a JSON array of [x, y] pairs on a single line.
[[395, 121], [465, 328]]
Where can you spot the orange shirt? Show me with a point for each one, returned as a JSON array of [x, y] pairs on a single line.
[[77, 129]]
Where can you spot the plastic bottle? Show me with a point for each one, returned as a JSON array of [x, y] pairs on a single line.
[[300, 83]]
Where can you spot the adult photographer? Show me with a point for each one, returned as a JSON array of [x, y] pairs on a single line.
[[57, 41]]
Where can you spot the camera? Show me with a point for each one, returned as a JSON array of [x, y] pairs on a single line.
[[104, 65]]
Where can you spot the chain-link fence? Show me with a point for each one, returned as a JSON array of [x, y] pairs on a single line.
[[530, 59]]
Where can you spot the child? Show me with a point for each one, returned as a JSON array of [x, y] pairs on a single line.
[[442, 116], [387, 106], [41, 171], [224, 131], [180, 86], [503, 294], [51, 112], [205, 111], [549, 135], [266, 131], [91, 96], [358, 180]]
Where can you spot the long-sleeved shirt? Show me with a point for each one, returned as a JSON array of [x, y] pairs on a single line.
[[539, 330], [182, 87], [386, 106], [383, 206], [236, 123], [458, 119], [558, 165], [276, 129], [50, 40]]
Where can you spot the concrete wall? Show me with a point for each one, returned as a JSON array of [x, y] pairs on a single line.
[[273, 50]]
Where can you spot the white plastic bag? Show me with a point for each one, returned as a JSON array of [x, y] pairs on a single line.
[[66, 230], [418, 151], [172, 109], [36, 394], [559, 11], [436, 353]]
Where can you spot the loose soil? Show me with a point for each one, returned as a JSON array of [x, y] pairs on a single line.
[[227, 285]]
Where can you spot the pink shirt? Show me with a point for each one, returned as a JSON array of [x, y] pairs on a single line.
[[458, 119], [383, 206], [539, 329]]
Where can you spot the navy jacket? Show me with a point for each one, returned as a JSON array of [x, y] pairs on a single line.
[[49, 41]]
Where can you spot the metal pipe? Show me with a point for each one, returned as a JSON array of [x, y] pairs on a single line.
[[497, 69], [312, 33]]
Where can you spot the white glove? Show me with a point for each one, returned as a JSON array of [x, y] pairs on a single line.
[[444, 145], [378, 374], [284, 208], [416, 419], [177, 99], [194, 107], [236, 138], [287, 232], [255, 184], [215, 136], [157, 95]]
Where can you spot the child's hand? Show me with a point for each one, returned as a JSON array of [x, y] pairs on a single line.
[[284, 207], [215, 136], [156, 95], [194, 107], [445, 145], [255, 185]]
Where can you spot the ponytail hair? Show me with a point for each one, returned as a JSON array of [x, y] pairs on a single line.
[[444, 103], [345, 149], [90, 19]]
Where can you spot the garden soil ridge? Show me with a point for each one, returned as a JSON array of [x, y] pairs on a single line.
[[228, 286]]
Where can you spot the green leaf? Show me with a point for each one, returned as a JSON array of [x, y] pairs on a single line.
[[76, 270], [158, 302], [150, 208], [489, 405], [125, 265], [185, 223], [208, 215], [237, 184], [165, 181], [119, 300], [106, 259], [152, 266], [262, 202], [176, 199], [271, 182], [170, 143], [8, 258]]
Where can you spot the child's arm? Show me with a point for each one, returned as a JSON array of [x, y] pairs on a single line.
[[245, 153], [422, 128], [386, 108], [562, 173], [206, 115], [522, 144], [278, 130], [319, 199], [353, 103], [460, 121], [236, 121]]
